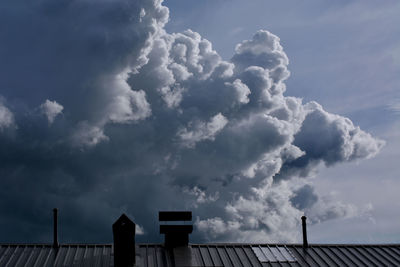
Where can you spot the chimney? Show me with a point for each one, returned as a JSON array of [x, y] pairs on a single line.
[[124, 242], [55, 230], [175, 235], [304, 224]]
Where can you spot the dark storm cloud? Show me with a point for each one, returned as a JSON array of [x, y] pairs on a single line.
[[304, 197], [335, 140], [104, 112]]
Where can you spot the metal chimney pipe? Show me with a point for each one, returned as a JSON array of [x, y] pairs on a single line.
[[55, 231], [304, 224], [176, 235]]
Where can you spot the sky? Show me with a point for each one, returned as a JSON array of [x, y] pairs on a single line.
[[248, 113]]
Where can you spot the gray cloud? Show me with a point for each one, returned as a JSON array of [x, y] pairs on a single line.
[[152, 118]]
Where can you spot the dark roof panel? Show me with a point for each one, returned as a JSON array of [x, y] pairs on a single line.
[[196, 255]]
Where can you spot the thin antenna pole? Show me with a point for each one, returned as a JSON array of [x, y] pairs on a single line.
[[55, 231], [304, 224]]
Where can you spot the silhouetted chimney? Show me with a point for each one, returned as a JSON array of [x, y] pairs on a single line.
[[124, 242], [55, 230], [175, 235], [304, 224]]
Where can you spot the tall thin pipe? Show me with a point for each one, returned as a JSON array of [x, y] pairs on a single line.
[[55, 231], [304, 224]]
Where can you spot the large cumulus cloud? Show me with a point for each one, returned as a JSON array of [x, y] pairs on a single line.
[[142, 120]]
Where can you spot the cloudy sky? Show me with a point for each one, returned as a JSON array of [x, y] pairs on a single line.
[[249, 113]]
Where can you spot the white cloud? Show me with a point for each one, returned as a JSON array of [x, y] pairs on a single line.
[[395, 106], [200, 131], [241, 89], [6, 117], [201, 196], [51, 109], [139, 230], [129, 107], [217, 226], [88, 135]]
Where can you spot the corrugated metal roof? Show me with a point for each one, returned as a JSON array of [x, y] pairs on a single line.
[[244, 255], [45, 255]]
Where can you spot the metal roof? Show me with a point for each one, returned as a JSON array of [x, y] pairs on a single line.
[[230, 254]]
